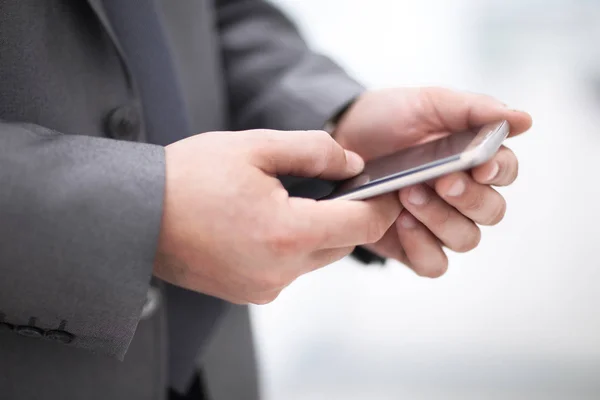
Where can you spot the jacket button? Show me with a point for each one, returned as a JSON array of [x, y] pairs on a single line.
[[60, 336], [123, 123], [4, 326], [29, 331]]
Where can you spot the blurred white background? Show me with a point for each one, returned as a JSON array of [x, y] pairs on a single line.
[[518, 317]]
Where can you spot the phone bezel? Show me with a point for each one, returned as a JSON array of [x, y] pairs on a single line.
[[482, 148]]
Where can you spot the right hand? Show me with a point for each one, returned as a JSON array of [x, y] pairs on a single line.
[[229, 228]]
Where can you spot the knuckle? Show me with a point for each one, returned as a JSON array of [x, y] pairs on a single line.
[[468, 241], [269, 281], [239, 302], [323, 152], [497, 214], [262, 299], [326, 139], [323, 140], [512, 172], [330, 257], [430, 93], [509, 167], [439, 270], [509, 154], [474, 202], [434, 270], [417, 195], [504, 176], [503, 172], [332, 149], [321, 136], [283, 242], [376, 228], [440, 217]]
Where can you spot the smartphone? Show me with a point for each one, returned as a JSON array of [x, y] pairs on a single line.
[[456, 152]]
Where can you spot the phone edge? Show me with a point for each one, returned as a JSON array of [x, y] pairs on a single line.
[[478, 155]]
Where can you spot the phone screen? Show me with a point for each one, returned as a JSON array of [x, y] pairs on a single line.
[[397, 164], [408, 160]]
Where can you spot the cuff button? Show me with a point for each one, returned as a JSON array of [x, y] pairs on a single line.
[[29, 331], [60, 336]]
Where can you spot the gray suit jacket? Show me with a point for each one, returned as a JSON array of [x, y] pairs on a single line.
[[81, 191]]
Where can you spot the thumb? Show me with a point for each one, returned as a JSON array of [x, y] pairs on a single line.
[[310, 154], [457, 111]]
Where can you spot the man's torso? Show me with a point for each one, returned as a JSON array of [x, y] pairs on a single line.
[[60, 68]]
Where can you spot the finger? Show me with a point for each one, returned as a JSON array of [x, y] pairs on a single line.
[[478, 202], [389, 246], [264, 298], [342, 223], [444, 221], [501, 170], [458, 111], [322, 258], [425, 254], [311, 154]]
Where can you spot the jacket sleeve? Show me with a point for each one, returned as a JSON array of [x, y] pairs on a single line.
[[275, 80], [79, 223]]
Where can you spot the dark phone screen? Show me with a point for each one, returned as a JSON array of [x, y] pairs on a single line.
[[408, 160], [394, 165]]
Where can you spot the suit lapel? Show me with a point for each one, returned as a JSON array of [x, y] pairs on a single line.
[[98, 8]]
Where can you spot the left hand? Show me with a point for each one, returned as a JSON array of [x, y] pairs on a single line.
[[447, 211]]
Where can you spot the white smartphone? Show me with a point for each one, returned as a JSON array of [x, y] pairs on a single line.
[[456, 152]]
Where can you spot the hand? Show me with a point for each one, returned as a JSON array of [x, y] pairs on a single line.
[[444, 212], [229, 228]]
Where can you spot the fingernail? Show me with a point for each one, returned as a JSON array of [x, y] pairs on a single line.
[[515, 110], [407, 221], [418, 196], [457, 188], [355, 162], [494, 172]]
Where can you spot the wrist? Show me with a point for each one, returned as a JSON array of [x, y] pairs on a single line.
[[332, 123]]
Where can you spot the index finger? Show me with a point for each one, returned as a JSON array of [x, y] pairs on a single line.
[[343, 223]]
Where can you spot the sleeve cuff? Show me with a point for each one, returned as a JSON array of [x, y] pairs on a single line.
[[367, 257], [80, 223]]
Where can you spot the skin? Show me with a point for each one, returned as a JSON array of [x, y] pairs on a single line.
[[443, 214], [247, 240]]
